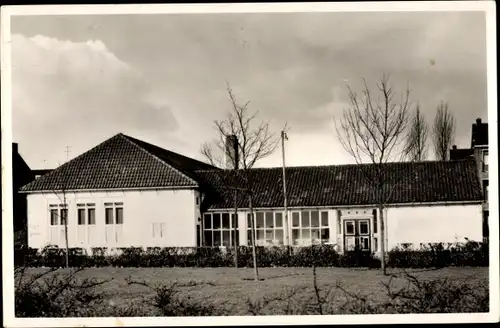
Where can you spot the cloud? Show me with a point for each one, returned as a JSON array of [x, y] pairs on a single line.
[[77, 93]]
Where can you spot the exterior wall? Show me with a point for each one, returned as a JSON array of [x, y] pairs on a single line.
[[174, 210], [433, 224]]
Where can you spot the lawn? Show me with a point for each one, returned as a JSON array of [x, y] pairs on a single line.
[[234, 289]]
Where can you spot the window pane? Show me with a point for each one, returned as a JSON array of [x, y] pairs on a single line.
[[296, 219], [269, 236], [109, 216], [375, 223], [325, 234], [279, 220], [349, 228], [225, 238], [207, 221], [119, 215], [225, 220], [324, 219], [260, 220], [249, 220], [260, 234], [249, 238], [295, 236], [64, 215], [53, 217], [269, 220], [234, 223], [91, 215], [315, 235], [217, 240], [363, 227], [315, 219], [81, 216], [232, 238], [278, 235], [306, 234], [216, 223], [305, 219], [208, 237]]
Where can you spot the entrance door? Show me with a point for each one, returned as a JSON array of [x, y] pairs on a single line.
[[357, 235]]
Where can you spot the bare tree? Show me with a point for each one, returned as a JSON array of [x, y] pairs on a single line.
[[61, 211], [443, 131], [416, 139], [255, 141], [371, 129]]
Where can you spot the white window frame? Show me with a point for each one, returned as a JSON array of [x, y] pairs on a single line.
[[221, 230], [114, 226], [160, 232], [264, 230], [301, 228], [87, 208], [59, 225]]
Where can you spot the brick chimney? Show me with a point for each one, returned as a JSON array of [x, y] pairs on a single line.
[[454, 147], [15, 148], [478, 121], [232, 156]]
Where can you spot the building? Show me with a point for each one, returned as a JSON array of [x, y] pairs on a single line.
[[479, 152], [126, 192], [21, 175]]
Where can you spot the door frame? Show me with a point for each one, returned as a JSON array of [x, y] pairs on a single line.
[[357, 220]]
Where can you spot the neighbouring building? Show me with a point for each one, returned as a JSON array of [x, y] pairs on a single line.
[[126, 192], [21, 175], [479, 152]]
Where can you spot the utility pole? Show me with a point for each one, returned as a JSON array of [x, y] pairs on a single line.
[[285, 205]]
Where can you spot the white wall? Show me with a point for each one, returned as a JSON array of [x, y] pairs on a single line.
[[433, 224], [176, 209]]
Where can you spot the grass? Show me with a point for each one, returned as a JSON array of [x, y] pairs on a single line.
[[236, 291]]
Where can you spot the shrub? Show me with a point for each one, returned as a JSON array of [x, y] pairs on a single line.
[[55, 294], [439, 255]]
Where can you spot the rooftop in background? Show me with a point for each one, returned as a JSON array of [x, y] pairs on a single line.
[[479, 135]]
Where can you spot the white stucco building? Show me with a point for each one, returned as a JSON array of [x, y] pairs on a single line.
[[125, 192]]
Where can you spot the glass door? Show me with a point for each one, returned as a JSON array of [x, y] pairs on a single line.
[[357, 235]]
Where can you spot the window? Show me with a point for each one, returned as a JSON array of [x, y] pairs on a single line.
[[268, 228], [159, 230], [58, 214], [218, 229], [113, 215], [486, 190], [86, 214], [86, 230], [375, 223], [310, 227], [58, 219], [485, 161]]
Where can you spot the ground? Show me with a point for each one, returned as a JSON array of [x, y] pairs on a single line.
[[236, 287]]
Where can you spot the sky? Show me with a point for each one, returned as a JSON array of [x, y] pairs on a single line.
[[78, 80]]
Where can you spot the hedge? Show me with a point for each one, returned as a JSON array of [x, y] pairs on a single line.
[[430, 255]]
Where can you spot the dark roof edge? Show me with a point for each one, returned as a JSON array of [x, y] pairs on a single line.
[[195, 186]]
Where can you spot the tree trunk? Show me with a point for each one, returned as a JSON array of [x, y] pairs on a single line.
[[65, 209], [235, 224], [252, 222], [382, 239]]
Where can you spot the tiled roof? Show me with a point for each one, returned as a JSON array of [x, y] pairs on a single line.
[[121, 162], [421, 182]]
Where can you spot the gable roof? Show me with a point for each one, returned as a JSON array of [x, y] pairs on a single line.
[[423, 182], [121, 162]]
